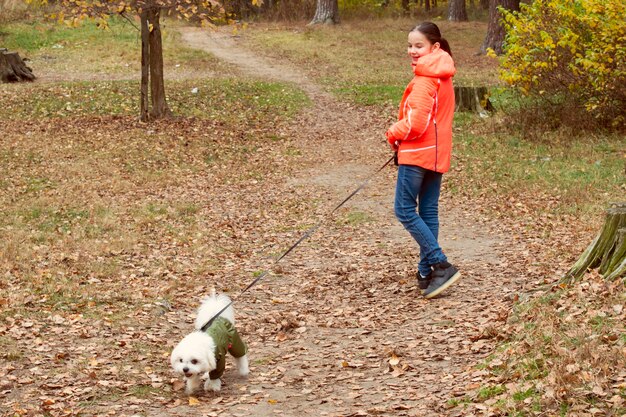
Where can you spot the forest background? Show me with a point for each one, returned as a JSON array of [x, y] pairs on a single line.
[[112, 228]]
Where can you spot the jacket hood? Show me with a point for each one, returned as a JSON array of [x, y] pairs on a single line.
[[437, 64]]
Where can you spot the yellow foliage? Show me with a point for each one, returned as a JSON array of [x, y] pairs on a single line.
[[491, 53], [73, 12], [577, 47]]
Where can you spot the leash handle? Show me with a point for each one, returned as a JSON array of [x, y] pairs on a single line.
[[306, 235]]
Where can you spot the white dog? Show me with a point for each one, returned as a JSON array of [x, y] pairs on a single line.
[[202, 354]]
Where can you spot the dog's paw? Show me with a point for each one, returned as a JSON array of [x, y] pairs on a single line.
[[213, 385], [242, 365]]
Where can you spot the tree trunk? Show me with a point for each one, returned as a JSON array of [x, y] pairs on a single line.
[[405, 7], [472, 99], [427, 5], [13, 69], [457, 12], [484, 4], [495, 30], [326, 11], [145, 66], [607, 252], [157, 84]]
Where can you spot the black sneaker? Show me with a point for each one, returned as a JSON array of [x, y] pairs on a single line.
[[423, 282], [444, 275]]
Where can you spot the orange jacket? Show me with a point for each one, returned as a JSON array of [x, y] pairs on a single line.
[[423, 132]]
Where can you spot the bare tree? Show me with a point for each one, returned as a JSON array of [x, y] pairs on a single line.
[[152, 105], [426, 4], [405, 7], [495, 30], [457, 12], [326, 11], [152, 66]]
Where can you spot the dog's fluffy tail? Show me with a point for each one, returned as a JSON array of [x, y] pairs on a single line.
[[211, 305]]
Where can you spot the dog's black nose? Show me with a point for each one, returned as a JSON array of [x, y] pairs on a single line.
[[185, 369]]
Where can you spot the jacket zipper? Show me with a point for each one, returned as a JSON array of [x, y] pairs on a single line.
[[435, 123]]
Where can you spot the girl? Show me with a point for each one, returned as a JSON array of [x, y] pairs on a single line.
[[422, 140]]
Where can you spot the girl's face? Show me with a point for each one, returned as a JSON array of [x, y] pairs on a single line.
[[419, 45]]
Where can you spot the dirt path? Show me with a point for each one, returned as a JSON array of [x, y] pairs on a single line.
[[338, 329], [349, 338], [355, 137], [225, 47]]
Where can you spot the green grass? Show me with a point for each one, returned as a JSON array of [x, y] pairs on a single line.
[[35, 185], [90, 52], [228, 100], [456, 402], [365, 61], [579, 175], [106, 236], [522, 395], [263, 361], [68, 180], [49, 219], [599, 322], [187, 211], [370, 94], [534, 368], [355, 218], [30, 37], [144, 391], [489, 391], [535, 356]]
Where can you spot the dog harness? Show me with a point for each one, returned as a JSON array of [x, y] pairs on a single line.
[[226, 339]]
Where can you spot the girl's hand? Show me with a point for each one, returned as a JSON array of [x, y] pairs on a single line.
[[394, 144]]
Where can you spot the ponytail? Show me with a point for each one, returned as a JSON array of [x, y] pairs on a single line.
[[432, 33], [445, 45]]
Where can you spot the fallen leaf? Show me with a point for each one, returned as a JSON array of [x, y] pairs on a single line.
[[394, 360]]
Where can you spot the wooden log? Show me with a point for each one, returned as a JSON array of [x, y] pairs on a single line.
[[472, 99], [13, 68], [619, 271], [611, 263], [607, 252]]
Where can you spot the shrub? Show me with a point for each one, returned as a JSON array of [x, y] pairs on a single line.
[[572, 51]]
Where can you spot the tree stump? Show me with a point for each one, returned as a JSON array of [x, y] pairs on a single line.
[[607, 252], [13, 69], [472, 99]]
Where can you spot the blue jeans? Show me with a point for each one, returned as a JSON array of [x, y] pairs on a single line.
[[415, 187]]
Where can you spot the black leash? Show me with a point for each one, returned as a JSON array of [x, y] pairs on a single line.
[[307, 234]]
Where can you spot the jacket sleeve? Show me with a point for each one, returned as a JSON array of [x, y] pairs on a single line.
[[419, 106]]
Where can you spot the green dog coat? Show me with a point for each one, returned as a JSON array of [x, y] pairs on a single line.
[[226, 339]]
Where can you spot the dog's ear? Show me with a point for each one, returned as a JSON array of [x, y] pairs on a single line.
[[174, 357]]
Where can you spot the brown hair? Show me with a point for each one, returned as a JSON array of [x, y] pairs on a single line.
[[432, 33]]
